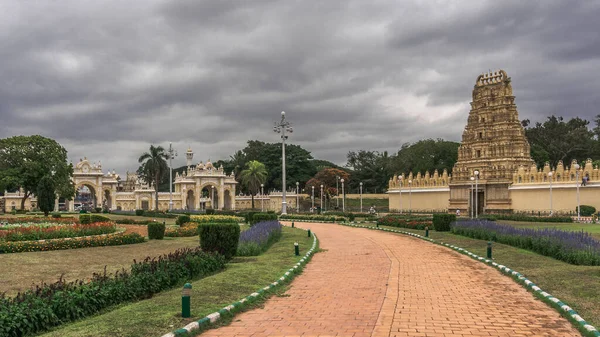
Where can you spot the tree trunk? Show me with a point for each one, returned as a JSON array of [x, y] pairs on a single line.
[[252, 201], [27, 195]]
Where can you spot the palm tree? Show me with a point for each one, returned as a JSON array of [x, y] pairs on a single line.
[[254, 175], [153, 168]]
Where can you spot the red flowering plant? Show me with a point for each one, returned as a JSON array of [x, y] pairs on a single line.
[[37, 220], [405, 222], [114, 239]]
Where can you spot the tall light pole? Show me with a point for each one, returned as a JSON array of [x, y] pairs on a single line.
[[410, 197], [401, 180], [471, 196], [321, 198], [262, 193], [337, 191], [476, 193], [297, 191], [212, 196], [577, 184], [171, 153], [550, 177], [283, 127], [343, 196], [361, 196], [313, 198]]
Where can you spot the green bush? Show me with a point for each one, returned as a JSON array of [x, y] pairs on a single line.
[[93, 241], [210, 211], [441, 222], [258, 217], [250, 216], [182, 219], [222, 238], [98, 218], [139, 212], [56, 215], [48, 305], [156, 231], [84, 219], [98, 209], [527, 218], [586, 210], [413, 223]]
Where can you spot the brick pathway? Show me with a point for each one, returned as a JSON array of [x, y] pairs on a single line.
[[370, 283]]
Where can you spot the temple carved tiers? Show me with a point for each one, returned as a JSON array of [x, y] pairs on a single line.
[[493, 142]]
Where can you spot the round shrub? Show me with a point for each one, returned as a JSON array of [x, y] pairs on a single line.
[[156, 231], [441, 222], [222, 238], [182, 219], [586, 210]]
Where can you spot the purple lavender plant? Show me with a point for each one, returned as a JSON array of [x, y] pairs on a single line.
[[575, 247], [258, 238]]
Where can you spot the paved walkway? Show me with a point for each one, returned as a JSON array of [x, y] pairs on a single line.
[[371, 283]]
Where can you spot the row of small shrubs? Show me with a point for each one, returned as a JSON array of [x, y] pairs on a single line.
[[31, 220], [442, 221], [91, 218], [31, 233], [186, 230], [404, 223], [527, 218], [259, 238], [578, 248], [154, 214], [50, 305], [312, 217], [216, 219], [222, 238], [258, 217], [133, 222], [59, 244]]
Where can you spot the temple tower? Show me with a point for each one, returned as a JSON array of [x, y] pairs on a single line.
[[189, 155], [493, 143]]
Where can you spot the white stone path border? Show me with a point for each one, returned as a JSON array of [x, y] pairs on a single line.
[[231, 309], [553, 301]]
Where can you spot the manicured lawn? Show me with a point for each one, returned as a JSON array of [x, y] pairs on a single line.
[[593, 229], [160, 314], [33, 267], [578, 286]]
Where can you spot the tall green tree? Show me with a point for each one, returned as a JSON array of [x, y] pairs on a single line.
[[46, 194], [372, 168], [25, 160], [154, 168], [254, 175]]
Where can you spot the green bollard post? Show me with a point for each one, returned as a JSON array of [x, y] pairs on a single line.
[[426, 231], [489, 250], [292, 224], [297, 248], [309, 233], [185, 301]]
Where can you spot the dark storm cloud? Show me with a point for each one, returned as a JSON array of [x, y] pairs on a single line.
[[108, 78]]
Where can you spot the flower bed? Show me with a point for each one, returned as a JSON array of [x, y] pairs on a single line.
[[315, 218], [578, 248], [259, 238], [216, 219], [393, 221], [33, 220], [49, 305], [115, 239], [42, 232], [188, 229]]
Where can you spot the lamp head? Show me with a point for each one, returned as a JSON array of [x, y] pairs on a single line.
[[549, 174], [262, 185], [313, 187], [283, 113], [476, 172], [410, 181], [361, 183], [342, 180], [297, 183], [321, 186], [472, 178], [577, 166]]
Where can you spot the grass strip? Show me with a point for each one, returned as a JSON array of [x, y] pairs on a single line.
[[586, 328], [162, 313]]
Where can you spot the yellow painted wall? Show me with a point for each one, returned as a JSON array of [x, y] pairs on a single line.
[[564, 198], [366, 196], [419, 200]]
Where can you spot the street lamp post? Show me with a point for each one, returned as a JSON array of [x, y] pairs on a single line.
[[282, 127], [321, 198], [410, 197], [550, 177], [212, 196], [313, 199], [401, 180], [577, 184], [337, 192], [262, 193], [476, 194], [471, 197], [172, 153], [343, 196], [297, 191], [361, 208]]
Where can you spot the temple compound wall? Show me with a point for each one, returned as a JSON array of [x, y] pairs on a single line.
[[494, 172]]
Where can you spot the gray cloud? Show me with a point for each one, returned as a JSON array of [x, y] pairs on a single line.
[[108, 78]]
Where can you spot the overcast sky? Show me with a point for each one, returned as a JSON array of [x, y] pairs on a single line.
[[108, 78]]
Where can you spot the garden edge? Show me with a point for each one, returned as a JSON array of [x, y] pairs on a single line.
[[565, 310], [230, 310]]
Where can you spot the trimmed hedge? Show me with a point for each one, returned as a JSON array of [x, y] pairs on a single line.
[[258, 217], [393, 221], [348, 215], [441, 222], [222, 238], [312, 217], [586, 210], [210, 211], [91, 218], [139, 212], [156, 231], [526, 218], [59, 244], [49, 305], [182, 219]]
